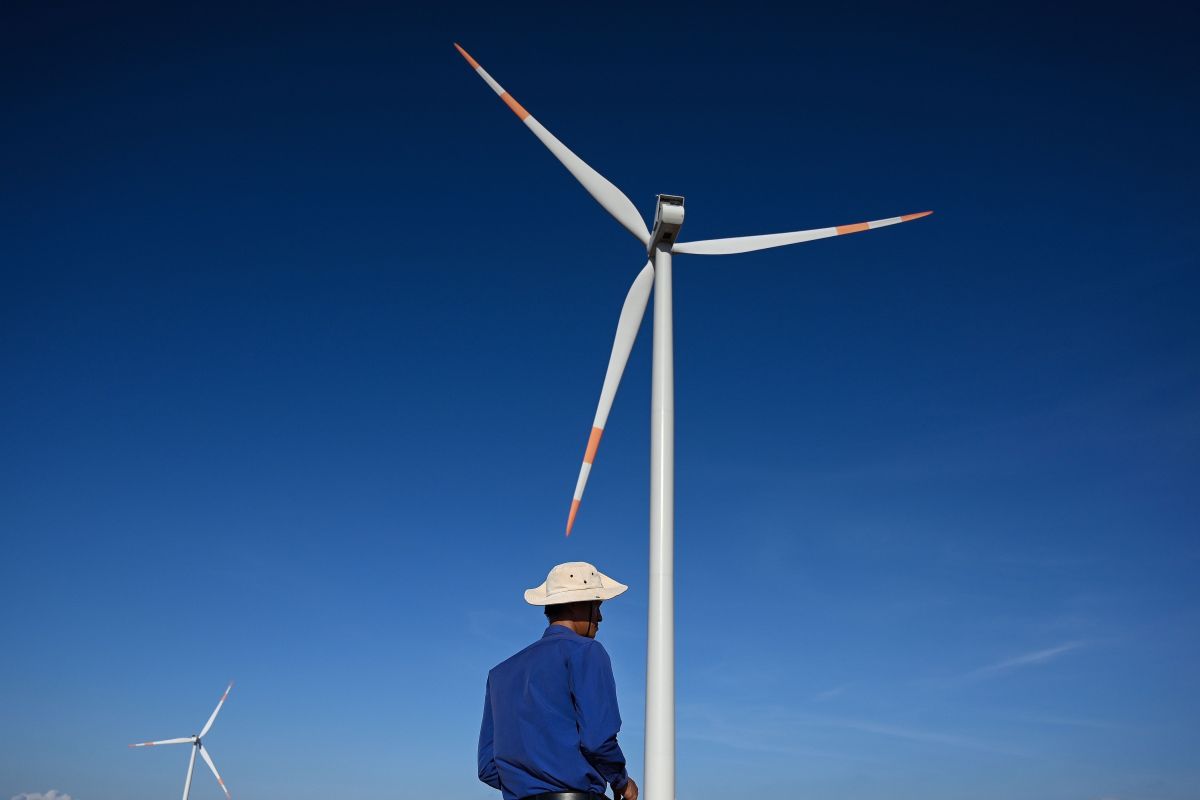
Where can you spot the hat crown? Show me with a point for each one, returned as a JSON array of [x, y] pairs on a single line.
[[573, 576]]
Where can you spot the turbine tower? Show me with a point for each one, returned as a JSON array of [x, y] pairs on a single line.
[[197, 747], [660, 243]]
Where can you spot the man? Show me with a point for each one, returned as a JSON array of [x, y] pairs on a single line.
[[550, 718]]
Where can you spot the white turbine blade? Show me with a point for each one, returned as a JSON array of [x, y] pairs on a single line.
[[216, 711], [213, 767], [164, 741], [604, 192], [744, 244], [627, 329]]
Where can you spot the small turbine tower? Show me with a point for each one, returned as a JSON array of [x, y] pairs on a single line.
[[197, 747]]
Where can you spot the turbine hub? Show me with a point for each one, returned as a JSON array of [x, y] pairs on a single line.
[[668, 218]]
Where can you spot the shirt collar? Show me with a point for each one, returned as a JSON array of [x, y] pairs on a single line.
[[558, 630]]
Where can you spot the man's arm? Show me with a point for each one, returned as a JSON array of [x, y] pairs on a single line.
[[487, 757], [594, 693]]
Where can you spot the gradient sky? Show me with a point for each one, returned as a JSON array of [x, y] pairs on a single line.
[[301, 334]]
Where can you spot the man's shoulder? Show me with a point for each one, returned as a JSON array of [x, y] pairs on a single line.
[[591, 646], [587, 651], [524, 653]]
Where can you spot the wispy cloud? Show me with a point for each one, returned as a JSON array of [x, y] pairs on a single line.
[[742, 741], [53, 794], [775, 729], [758, 730], [910, 734], [829, 694], [1071, 722], [1023, 660]]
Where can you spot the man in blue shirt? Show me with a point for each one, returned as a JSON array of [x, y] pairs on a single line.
[[550, 718]]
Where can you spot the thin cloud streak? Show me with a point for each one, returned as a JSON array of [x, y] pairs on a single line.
[[829, 694], [1072, 722], [1024, 660], [763, 729], [910, 734], [738, 740]]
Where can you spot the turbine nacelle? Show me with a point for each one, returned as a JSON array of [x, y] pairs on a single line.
[[668, 219]]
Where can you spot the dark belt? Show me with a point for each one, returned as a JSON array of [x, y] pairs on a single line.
[[566, 796]]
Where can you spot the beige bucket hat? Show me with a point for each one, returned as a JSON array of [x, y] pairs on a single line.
[[574, 582]]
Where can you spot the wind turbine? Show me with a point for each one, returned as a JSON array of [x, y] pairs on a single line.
[[197, 747], [661, 243]]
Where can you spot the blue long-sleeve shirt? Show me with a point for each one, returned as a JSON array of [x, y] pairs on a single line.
[[550, 720]]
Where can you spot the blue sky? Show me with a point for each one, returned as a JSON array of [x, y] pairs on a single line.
[[301, 335]]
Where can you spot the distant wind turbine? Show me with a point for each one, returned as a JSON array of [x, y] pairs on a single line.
[[197, 747], [660, 243]]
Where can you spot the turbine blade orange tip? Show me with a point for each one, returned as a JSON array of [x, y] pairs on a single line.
[[571, 516], [474, 64]]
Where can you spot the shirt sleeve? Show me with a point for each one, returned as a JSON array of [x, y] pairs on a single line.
[[594, 693], [487, 755]]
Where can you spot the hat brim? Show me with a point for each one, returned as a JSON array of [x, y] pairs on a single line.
[[538, 596]]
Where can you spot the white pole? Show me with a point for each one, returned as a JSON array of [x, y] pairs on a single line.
[[660, 644], [187, 784]]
